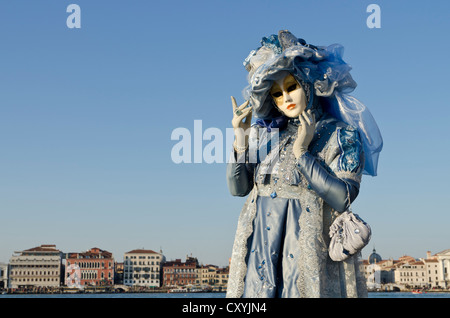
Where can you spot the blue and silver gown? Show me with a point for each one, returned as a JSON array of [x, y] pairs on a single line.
[[281, 242]]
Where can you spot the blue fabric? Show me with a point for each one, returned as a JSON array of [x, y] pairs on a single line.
[[351, 111], [350, 145], [278, 122], [272, 43], [271, 269]]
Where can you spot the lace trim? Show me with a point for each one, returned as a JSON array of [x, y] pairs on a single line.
[[238, 266], [349, 175]]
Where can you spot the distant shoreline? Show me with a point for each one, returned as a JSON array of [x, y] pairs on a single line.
[[167, 291]]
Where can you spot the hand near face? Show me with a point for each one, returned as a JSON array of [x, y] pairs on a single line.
[[305, 133], [239, 125]]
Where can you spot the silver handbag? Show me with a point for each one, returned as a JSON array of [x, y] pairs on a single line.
[[349, 234]]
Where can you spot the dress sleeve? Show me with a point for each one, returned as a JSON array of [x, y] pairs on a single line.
[[240, 170], [336, 183], [239, 174]]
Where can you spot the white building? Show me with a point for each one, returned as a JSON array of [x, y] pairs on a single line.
[[143, 268], [443, 260], [412, 274], [3, 276], [36, 267], [408, 272], [430, 272]]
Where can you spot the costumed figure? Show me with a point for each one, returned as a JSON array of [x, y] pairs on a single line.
[[300, 165]]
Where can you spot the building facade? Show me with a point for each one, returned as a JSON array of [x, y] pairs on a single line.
[[431, 272], [408, 272], [206, 275], [221, 283], [118, 273], [411, 275], [38, 267], [95, 267], [178, 273], [143, 268], [3, 276], [443, 260]]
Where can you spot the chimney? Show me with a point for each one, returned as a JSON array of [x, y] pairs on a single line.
[[428, 254]]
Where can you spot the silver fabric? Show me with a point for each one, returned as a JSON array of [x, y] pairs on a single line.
[[349, 234], [281, 242]]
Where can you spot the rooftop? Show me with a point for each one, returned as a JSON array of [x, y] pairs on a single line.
[[92, 253], [141, 251], [43, 248]]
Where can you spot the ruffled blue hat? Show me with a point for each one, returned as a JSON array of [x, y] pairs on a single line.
[[321, 72]]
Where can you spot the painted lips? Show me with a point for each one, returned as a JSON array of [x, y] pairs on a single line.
[[291, 106]]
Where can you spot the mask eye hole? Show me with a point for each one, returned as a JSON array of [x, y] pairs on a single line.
[[277, 94], [292, 87]]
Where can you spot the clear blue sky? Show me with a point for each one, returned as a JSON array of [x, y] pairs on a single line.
[[86, 117]]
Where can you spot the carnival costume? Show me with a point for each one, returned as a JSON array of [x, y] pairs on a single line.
[[281, 243]]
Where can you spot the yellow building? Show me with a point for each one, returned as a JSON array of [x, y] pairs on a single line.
[[221, 283], [206, 275]]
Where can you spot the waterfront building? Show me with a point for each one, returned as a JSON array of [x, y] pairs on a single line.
[[377, 271], [438, 268], [206, 275], [408, 272], [387, 270], [443, 259], [38, 267], [221, 283], [3, 276], [143, 268], [431, 272], [422, 273], [411, 274], [178, 273], [118, 273], [95, 266]]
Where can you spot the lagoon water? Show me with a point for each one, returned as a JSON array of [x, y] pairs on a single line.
[[204, 295]]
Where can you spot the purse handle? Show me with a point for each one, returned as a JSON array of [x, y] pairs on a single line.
[[349, 209]]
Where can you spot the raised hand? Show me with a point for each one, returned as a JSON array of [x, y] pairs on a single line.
[[239, 125], [305, 133]]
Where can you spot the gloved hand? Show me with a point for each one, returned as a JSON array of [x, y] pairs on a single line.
[[240, 126], [305, 133]]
